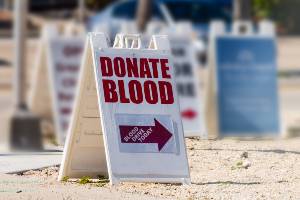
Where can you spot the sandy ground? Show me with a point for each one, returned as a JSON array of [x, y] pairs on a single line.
[[222, 169]]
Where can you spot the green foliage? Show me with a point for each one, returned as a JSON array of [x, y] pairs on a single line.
[[100, 184], [84, 180], [285, 13], [263, 8], [65, 179], [101, 177], [239, 163], [102, 181]]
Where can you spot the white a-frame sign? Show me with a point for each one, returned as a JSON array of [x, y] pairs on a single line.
[[242, 99], [185, 48], [188, 85], [55, 78], [126, 121]]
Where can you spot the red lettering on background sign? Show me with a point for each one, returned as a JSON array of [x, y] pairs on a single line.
[[60, 67], [69, 82], [72, 51], [65, 97], [65, 111]]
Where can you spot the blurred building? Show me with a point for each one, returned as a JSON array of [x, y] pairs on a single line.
[[39, 11], [286, 14], [39, 5], [5, 4]]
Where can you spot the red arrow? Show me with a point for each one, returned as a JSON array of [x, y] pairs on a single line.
[[189, 114], [146, 134]]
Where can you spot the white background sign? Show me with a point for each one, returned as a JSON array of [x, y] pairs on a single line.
[[65, 56], [188, 85]]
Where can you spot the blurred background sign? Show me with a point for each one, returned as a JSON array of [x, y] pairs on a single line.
[[53, 86], [242, 87], [247, 86]]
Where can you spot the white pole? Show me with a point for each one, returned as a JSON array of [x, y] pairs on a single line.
[[143, 13], [20, 32], [242, 9], [81, 4], [25, 130]]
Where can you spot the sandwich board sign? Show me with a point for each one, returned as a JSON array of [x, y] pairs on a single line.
[[126, 121], [55, 78], [246, 82], [186, 68], [188, 86]]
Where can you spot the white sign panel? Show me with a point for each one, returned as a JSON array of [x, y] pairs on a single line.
[[188, 85], [55, 78], [65, 59], [242, 98], [137, 113]]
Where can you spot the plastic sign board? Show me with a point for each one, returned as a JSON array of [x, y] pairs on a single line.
[[126, 121], [66, 54], [188, 85], [247, 86], [58, 70], [246, 83]]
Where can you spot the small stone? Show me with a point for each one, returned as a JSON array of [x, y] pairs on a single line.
[[244, 154], [246, 164]]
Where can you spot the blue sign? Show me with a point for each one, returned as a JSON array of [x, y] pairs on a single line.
[[247, 86]]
